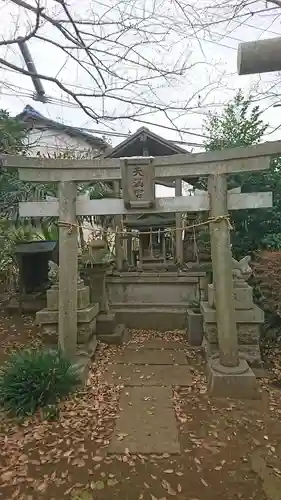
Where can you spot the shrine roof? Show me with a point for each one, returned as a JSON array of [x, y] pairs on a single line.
[[150, 220], [32, 247], [146, 143], [145, 140]]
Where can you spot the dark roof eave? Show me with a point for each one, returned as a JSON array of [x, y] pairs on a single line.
[[72, 131], [174, 148]]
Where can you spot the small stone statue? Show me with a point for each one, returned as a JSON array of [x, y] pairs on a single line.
[[53, 273], [242, 269]]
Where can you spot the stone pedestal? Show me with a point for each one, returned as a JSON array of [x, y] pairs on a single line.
[[86, 315], [107, 329], [96, 277], [195, 328], [231, 382], [249, 319]]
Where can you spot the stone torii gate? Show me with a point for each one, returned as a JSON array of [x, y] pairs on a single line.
[[138, 176], [261, 56]]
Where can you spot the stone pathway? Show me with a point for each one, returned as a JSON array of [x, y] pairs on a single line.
[[147, 422]]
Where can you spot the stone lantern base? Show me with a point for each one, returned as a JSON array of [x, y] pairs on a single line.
[[248, 317], [232, 382], [87, 314], [107, 329]]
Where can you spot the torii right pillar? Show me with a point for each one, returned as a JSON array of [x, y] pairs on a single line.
[[228, 375]]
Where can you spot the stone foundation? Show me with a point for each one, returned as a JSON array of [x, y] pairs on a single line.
[[154, 300], [148, 288], [83, 297], [251, 353], [249, 319], [235, 382], [87, 314]]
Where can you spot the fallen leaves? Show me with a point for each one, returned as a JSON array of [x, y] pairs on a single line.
[[121, 436], [168, 487], [112, 482], [86, 418], [76, 446], [6, 476], [78, 462], [97, 485], [276, 471], [204, 482]]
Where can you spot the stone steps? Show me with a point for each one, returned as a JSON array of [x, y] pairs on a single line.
[[161, 317], [148, 371], [117, 337]]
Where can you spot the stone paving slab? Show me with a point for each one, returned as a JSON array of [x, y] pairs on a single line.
[[160, 375], [151, 357], [147, 422], [156, 344]]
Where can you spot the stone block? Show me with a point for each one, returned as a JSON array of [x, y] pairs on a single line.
[[106, 323], [232, 382], [118, 337], [52, 317], [195, 328], [53, 298], [50, 333], [251, 353], [151, 357], [148, 288], [95, 277], [248, 333], [145, 430], [85, 331], [242, 296], [84, 355], [86, 323], [83, 298], [253, 315], [152, 318]]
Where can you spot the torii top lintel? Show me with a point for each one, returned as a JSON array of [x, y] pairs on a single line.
[[227, 161]]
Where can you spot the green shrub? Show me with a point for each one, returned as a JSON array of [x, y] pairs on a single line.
[[35, 379]]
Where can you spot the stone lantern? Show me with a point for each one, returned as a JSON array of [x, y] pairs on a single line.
[[96, 272], [97, 266]]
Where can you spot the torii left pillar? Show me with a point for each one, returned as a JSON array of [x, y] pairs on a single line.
[[68, 269]]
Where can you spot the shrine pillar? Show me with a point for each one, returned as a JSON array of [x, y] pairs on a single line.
[[119, 256], [179, 243]]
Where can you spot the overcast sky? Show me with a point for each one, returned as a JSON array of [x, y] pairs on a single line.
[[215, 54]]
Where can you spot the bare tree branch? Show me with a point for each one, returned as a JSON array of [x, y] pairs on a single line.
[[275, 2], [126, 60], [28, 36]]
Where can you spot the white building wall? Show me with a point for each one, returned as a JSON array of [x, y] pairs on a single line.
[[51, 142]]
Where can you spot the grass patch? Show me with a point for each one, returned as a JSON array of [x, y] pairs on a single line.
[[33, 379]]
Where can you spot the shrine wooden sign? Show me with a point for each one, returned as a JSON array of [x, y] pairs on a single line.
[[138, 182]]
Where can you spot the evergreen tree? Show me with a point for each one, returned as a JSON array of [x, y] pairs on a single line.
[[240, 124]]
